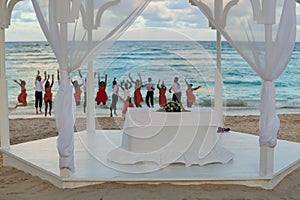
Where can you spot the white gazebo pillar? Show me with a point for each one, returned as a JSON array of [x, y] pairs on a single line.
[[91, 24], [6, 8], [268, 11], [218, 76], [4, 122], [91, 113], [220, 16], [267, 153]]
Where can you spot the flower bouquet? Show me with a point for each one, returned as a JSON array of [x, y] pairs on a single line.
[[172, 107]]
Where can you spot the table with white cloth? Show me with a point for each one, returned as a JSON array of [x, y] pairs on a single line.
[[170, 137]]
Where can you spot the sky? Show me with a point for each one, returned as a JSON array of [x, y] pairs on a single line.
[[159, 19]]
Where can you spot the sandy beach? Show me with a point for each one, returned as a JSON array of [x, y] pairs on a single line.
[[15, 184]]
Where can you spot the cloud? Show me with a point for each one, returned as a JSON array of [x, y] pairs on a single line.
[[23, 12], [178, 5], [173, 14], [177, 15], [29, 31]]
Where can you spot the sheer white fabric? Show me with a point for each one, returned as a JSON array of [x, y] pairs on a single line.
[[77, 31], [263, 32]]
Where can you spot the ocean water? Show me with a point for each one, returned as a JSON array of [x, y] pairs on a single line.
[[161, 60]]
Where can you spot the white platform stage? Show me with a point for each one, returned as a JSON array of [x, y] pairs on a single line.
[[40, 158]]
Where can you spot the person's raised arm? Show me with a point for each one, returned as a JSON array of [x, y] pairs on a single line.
[[16, 81], [45, 76], [129, 75], [140, 78], [58, 74], [187, 83], [105, 80], [122, 82], [37, 75], [83, 80], [79, 72], [52, 80], [171, 88], [98, 78], [158, 84], [196, 88], [130, 84]]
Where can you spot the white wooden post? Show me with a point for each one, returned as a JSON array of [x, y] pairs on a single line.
[[268, 13], [218, 75], [267, 153], [90, 26], [266, 167], [91, 113], [4, 122], [6, 8]]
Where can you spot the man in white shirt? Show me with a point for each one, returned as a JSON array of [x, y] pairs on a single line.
[[176, 90], [39, 91]]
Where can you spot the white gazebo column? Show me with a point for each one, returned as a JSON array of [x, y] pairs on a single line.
[[91, 24], [6, 8], [218, 75], [91, 113], [267, 153], [266, 166], [4, 122], [219, 83], [220, 16]]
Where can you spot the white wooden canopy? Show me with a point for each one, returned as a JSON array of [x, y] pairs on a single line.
[[74, 31]]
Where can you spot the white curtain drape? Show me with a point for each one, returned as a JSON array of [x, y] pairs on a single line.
[[77, 31], [264, 33]]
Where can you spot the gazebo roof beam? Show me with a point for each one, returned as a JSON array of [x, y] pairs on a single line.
[[6, 10]]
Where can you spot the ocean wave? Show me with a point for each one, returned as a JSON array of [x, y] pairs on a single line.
[[241, 82], [235, 103], [162, 60], [227, 103]]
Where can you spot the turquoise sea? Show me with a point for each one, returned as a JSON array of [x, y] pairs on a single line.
[[162, 60]]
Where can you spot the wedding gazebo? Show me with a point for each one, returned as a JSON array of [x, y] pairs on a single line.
[[77, 32]]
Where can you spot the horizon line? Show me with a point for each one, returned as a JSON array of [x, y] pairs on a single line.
[[121, 40]]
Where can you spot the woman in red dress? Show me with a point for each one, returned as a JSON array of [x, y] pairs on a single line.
[[138, 98], [162, 100], [48, 95], [101, 94], [23, 95]]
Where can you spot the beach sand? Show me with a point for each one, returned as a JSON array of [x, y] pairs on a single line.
[[15, 184]]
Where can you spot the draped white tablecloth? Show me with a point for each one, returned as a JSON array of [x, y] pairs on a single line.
[[165, 138]]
